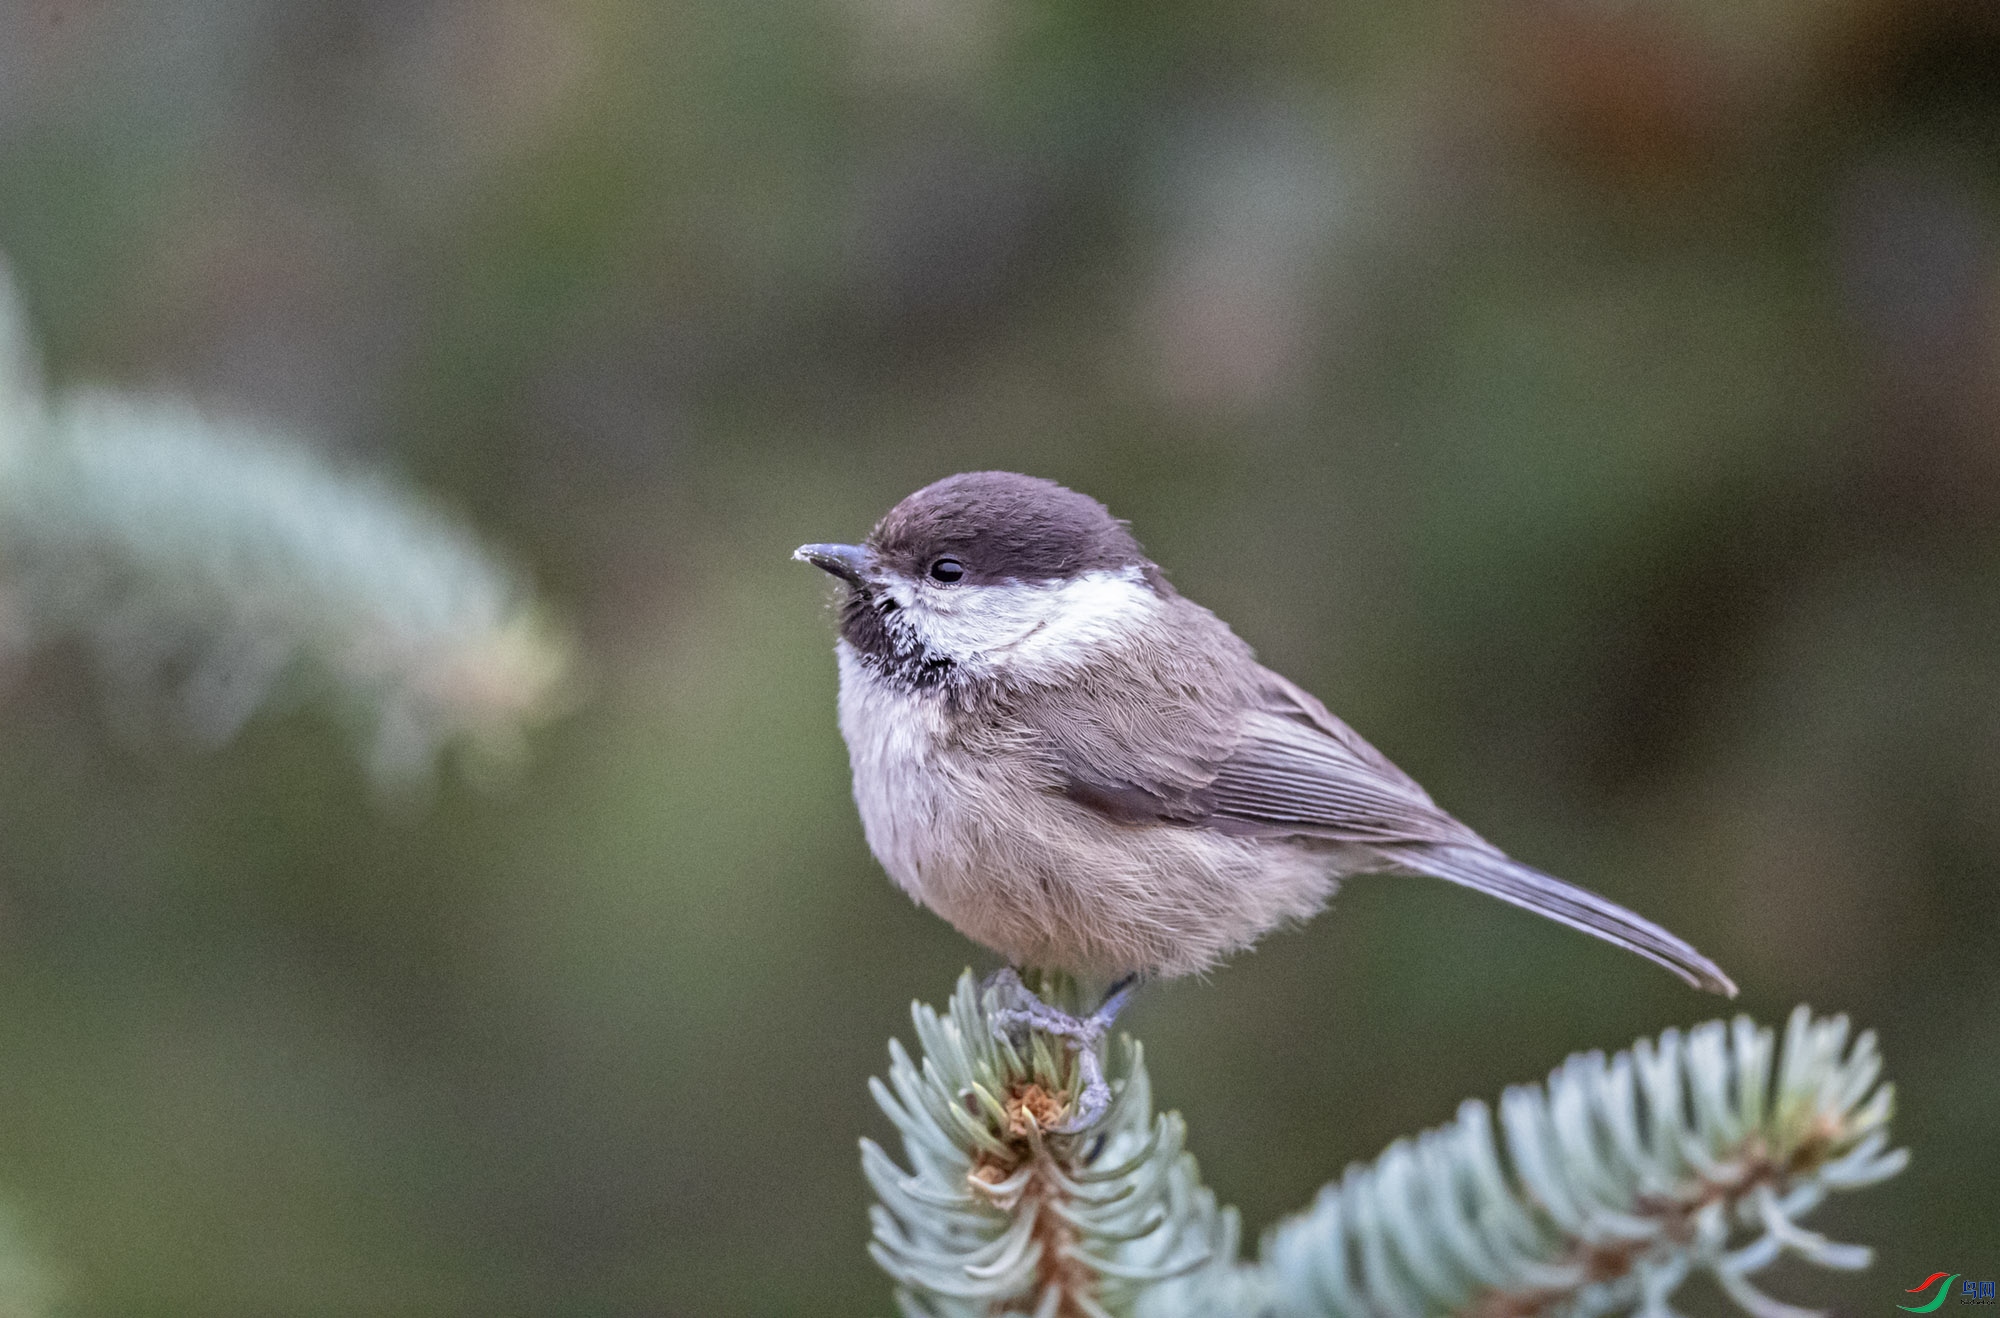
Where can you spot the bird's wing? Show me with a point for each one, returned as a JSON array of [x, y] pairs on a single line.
[[1291, 769], [1271, 761], [1296, 769]]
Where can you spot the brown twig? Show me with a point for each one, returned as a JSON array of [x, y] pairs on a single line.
[[1608, 1262]]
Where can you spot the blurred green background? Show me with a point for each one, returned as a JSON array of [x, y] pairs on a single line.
[[1597, 403]]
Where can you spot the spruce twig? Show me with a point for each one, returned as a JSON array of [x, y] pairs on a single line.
[[998, 1215], [1698, 1152], [208, 564]]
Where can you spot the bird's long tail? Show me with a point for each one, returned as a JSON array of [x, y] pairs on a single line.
[[1510, 881]]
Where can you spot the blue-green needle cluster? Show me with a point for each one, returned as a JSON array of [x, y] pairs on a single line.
[[999, 1216], [1599, 1192], [207, 565]]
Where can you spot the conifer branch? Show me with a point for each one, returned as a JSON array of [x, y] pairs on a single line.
[[998, 1215], [207, 565], [1622, 1177]]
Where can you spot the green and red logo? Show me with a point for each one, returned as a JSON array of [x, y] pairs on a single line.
[[1925, 1285], [1972, 1292]]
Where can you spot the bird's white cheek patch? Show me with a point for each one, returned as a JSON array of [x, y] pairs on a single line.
[[1031, 629]]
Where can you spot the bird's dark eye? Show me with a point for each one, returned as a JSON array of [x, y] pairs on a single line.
[[947, 570]]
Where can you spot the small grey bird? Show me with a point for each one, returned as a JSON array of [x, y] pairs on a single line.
[[1086, 771]]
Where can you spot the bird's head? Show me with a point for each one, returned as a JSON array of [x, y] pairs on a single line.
[[990, 572]]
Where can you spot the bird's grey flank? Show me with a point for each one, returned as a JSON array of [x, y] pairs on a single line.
[[1086, 771]]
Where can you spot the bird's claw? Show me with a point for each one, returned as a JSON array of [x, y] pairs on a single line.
[[1021, 1010]]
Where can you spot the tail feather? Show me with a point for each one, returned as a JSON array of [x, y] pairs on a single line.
[[1495, 874]]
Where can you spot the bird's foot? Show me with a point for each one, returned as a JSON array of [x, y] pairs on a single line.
[[1020, 1010]]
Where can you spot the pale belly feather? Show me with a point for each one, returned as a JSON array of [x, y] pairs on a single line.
[[1012, 864]]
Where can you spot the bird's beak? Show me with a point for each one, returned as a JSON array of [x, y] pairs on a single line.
[[848, 562]]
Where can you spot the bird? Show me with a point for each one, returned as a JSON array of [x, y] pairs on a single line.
[[1085, 771]]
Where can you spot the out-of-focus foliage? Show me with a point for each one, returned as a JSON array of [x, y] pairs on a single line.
[[1690, 1155], [202, 561], [1594, 402], [27, 1288]]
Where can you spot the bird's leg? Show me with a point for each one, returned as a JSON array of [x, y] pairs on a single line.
[[1114, 1002], [1022, 1009]]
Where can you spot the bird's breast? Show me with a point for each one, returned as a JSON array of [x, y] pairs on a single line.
[[963, 815], [959, 811], [899, 745]]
